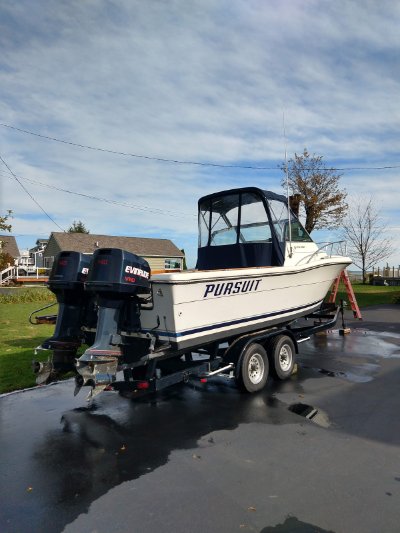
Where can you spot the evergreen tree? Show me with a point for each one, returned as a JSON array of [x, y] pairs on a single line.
[[78, 227]]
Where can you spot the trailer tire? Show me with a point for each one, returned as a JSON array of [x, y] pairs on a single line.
[[281, 355], [252, 368]]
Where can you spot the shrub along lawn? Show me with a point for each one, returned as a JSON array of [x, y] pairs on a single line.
[[19, 295], [19, 338]]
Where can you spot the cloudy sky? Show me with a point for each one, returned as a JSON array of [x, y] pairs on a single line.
[[203, 81]]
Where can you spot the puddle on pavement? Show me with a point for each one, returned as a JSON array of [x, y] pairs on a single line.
[[360, 341], [363, 374], [355, 357], [314, 414]]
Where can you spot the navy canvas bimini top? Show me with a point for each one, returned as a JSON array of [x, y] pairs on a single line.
[[240, 228]]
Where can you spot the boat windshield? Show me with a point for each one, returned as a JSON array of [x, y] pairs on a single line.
[[219, 221]]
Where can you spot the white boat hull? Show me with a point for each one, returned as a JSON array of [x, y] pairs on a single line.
[[195, 307]]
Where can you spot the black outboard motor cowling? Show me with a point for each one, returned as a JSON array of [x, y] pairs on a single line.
[[121, 282], [76, 309], [117, 272]]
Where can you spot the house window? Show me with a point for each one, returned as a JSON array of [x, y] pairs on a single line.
[[48, 262], [172, 264]]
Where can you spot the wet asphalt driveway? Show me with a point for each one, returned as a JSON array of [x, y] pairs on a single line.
[[206, 458]]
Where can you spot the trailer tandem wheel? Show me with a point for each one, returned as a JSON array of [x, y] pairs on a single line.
[[281, 354], [252, 368]]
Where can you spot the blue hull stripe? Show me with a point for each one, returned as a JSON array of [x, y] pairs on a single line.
[[235, 322]]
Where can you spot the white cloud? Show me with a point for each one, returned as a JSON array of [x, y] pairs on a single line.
[[203, 81]]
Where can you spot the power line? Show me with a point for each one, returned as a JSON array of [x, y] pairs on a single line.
[[176, 161], [30, 195], [76, 235], [139, 156], [107, 200]]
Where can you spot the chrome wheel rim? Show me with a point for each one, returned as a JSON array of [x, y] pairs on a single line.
[[285, 357], [256, 368]]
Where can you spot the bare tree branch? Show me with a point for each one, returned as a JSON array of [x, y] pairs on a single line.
[[365, 232]]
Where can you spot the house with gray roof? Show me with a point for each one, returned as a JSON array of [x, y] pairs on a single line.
[[8, 245], [161, 254]]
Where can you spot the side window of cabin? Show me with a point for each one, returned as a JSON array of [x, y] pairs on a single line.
[[299, 234], [224, 220], [204, 224], [279, 216], [254, 224], [280, 220]]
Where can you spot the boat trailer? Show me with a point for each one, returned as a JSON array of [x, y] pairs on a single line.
[[122, 357]]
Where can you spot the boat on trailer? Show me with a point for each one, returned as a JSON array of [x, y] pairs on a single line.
[[257, 272]]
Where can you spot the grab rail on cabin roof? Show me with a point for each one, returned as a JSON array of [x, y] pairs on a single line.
[[341, 249]]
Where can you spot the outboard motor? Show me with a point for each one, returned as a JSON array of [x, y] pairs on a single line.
[[121, 282], [76, 311]]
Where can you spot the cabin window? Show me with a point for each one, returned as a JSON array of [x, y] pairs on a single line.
[[299, 234], [280, 220], [224, 220], [279, 216], [204, 224], [254, 224]]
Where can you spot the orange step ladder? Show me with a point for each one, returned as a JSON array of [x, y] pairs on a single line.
[[350, 293]]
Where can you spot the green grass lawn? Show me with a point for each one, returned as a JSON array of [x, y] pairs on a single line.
[[19, 338], [367, 295]]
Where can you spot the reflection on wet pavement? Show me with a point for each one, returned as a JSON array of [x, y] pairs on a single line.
[[71, 461], [354, 357], [59, 455]]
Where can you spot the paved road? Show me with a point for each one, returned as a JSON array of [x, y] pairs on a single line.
[[209, 459]]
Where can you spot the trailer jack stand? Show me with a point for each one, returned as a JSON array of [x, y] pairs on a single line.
[[344, 329]]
